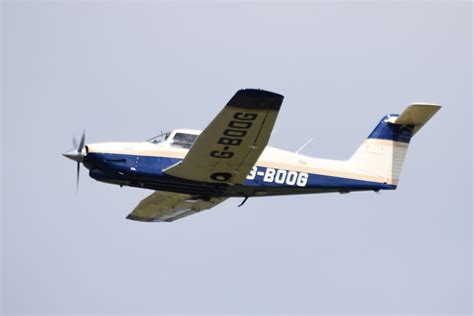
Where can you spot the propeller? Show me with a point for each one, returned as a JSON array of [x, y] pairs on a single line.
[[77, 154]]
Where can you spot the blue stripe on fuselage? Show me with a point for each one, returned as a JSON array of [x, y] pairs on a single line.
[[121, 167]]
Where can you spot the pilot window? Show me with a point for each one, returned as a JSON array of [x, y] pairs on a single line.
[[160, 138], [183, 140]]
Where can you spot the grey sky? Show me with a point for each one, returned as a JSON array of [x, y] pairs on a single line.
[[125, 71]]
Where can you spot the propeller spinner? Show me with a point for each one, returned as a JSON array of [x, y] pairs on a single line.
[[77, 154]]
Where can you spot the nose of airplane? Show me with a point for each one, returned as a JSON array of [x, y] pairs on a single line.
[[74, 155], [77, 154]]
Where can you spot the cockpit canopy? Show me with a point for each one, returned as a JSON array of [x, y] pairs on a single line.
[[180, 138]]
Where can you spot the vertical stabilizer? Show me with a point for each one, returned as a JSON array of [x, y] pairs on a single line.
[[382, 154]]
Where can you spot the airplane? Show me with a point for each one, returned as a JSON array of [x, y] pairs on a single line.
[[192, 171]]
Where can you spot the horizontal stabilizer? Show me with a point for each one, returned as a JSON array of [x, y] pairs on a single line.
[[417, 114]]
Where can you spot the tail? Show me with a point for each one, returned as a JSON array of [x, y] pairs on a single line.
[[383, 152]]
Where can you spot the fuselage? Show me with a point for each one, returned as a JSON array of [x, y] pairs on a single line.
[[277, 172]]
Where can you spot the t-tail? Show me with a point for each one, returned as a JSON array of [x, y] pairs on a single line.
[[383, 152]]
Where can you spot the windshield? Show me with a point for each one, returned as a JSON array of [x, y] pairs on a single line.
[[160, 138], [183, 140]]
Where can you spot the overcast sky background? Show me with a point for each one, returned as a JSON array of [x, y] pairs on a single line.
[[125, 71]]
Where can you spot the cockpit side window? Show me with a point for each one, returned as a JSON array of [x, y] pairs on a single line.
[[183, 140], [160, 138]]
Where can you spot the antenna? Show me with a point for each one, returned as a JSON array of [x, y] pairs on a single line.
[[304, 145]]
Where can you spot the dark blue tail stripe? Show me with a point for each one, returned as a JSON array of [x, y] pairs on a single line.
[[389, 131]]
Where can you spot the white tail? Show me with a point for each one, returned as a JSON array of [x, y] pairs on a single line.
[[383, 152]]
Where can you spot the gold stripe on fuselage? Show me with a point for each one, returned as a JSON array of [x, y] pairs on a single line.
[[270, 158]]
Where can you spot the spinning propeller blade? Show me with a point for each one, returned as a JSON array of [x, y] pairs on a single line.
[[77, 176], [77, 155], [81, 144]]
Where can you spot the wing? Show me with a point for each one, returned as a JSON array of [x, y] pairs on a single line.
[[229, 147], [169, 206]]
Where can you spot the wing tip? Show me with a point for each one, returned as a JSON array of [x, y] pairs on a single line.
[[257, 99]]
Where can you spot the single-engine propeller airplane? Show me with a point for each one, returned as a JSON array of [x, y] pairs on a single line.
[[192, 171]]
